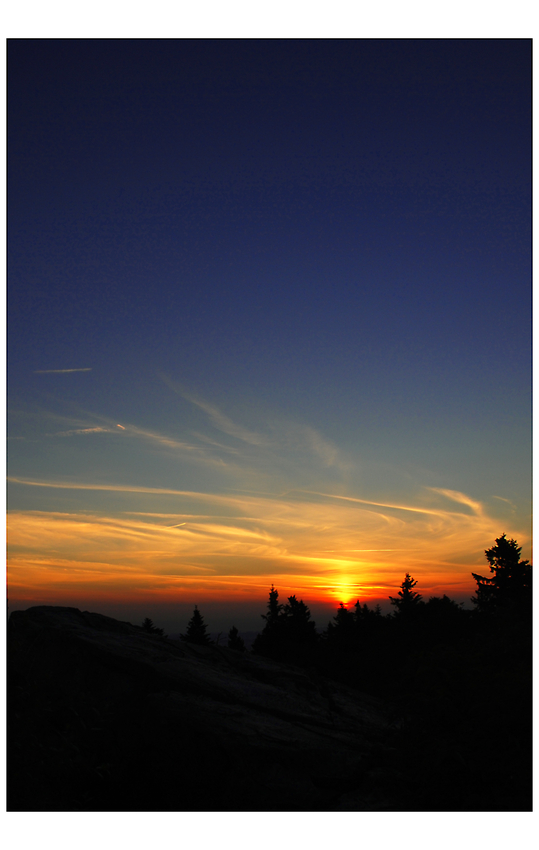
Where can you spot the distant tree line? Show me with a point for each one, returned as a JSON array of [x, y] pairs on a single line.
[[459, 680], [289, 633]]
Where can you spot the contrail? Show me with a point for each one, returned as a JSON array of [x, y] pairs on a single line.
[[59, 371]]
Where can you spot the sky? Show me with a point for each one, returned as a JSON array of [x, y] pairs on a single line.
[[268, 321]]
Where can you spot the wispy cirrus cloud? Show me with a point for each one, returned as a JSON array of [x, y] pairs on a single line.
[[78, 431], [220, 420], [283, 436], [319, 530], [460, 498], [113, 488], [300, 439], [224, 545], [159, 439], [215, 444], [288, 503], [60, 371], [111, 426], [204, 451], [196, 452], [277, 453]]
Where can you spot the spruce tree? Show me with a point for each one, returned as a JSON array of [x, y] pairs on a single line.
[[235, 641], [274, 609], [265, 643], [342, 629], [289, 631], [409, 602], [196, 630], [297, 624], [148, 626], [509, 586]]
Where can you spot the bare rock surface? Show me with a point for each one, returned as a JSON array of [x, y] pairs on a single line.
[[104, 716]]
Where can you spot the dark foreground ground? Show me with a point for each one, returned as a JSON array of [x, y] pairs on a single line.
[[103, 716]]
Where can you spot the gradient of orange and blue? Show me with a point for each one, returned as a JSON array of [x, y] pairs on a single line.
[[269, 317]]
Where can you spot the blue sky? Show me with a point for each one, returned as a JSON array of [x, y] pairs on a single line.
[[288, 283]]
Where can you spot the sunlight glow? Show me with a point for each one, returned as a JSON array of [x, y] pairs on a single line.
[[323, 549]]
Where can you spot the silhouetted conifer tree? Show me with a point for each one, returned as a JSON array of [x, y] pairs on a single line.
[[444, 619], [148, 626], [297, 623], [274, 608], [235, 641], [265, 642], [509, 588], [367, 621], [343, 627], [408, 603], [196, 630], [289, 630]]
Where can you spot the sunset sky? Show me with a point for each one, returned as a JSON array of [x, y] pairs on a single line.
[[269, 321]]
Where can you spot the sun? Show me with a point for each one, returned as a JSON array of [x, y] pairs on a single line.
[[344, 591]]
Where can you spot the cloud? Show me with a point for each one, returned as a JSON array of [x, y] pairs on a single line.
[[321, 447], [461, 498], [188, 451], [219, 420], [389, 505], [317, 532], [115, 488], [285, 436], [59, 371], [160, 439], [221, 446], [305, 541], [96, 430], [131, 430], [227, 426], [311, 527], [205, 452], [507, 501]]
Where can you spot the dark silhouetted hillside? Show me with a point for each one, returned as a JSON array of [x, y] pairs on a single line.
[[104, 715]]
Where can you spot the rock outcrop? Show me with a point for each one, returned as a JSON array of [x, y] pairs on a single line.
[[103, 716]]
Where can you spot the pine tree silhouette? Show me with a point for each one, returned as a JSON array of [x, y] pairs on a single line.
[[297, 623], [274, 609], [289, 632], [148, 626], [409, 601], [196, 630], [235, 641], [342, 629], [510, 584], [266, 642]]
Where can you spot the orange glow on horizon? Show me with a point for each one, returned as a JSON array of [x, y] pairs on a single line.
[[231, 548], [52, 582]]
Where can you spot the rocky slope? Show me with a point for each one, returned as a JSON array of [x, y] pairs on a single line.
[[103, 716]]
